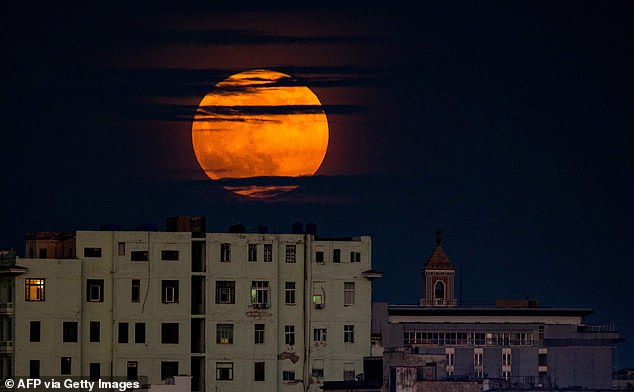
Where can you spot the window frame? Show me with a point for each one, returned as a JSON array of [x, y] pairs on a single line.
[[94, 290], [348, 293], [225, 288], [221, 368], [260, 294], [348, 333], [252, 253], [291, 254], [289, 335], [289, 293], [35, 289]]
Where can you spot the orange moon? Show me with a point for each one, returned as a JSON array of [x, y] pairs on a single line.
[[259, 124]]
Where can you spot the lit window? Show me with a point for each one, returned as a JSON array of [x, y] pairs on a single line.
[[290, 253], [348, 333], [348, 293], [224, 333], [34, 290], [225, 292], [253, 252], [260, 294], [224, 371]]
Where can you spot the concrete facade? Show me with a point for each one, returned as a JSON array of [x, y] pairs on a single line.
[[236, 311]]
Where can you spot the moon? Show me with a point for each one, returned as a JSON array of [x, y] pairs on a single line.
[[259, 123]]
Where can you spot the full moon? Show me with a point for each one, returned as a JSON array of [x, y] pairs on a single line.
[[259, 123]]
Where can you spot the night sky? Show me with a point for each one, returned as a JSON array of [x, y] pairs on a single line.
[[507, 125]]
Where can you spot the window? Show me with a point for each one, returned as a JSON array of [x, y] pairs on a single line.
[[224, 333], [95, 331], [268, 253], [139, 332], [92, 252], [121, 250], [260, 294], [259, 334], [348, 333], [336, 255], [289, 293], [318, 368], [139, 255], [34, 290], [506, 358], [169, 255], [225, 253], [69, 331], [95, 371], [65, 366], [225, 292], [170, 291], [289, 335], [224, 371], [506, 374], [34, 368], [169, 369], [318, 300], [135, 295], [169, 333], [319, 334], [94, 290], [348, 371], [288, 375], [253, 252], [34, 331], [439, 290], [290, 253], [355, 257], [348, 293], [477, 358], [319, 256], [258, 374], [542, 359], [133, 372], [123, 333], [43, 253]]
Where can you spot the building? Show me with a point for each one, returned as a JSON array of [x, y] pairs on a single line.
[[237, 311], [511, 345]]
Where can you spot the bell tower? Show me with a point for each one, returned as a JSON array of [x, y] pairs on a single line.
[[438, 278]]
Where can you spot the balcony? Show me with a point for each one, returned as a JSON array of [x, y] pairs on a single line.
[[6, 308], [6, 347]]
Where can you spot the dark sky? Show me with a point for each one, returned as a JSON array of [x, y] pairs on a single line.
[[508, 125]]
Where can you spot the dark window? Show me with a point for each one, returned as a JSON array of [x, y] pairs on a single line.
[[170, 291], [355, 257], [268, 253], [348, 333], [319, 256], [169, 333], [136, 290], [139, 255], [92, 252], [259, 333], [253, 252], [34, 290], [94, 290], [95, 371], [290, 253], [169, 255], [121, 248], [289, 293], [336, 255], [542, 359], [288, 375], [34, 331], [65, 366], [139, 332], [225, 292], [289, 335], [224, 371], [123, 332], [43, 253], [169, 369], [34, 368], [258, 375], [70, 331], [133, 370], [225, 252], [95, 327]]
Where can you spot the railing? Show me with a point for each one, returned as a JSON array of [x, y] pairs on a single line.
[[608, 327], [6, 308], [6, 347]]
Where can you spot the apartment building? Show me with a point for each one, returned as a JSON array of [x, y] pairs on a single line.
[[237, 311]]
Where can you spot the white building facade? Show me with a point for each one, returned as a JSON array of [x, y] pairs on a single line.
[[236, 311]]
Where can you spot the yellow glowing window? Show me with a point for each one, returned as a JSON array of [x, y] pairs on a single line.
[[34, 289]]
